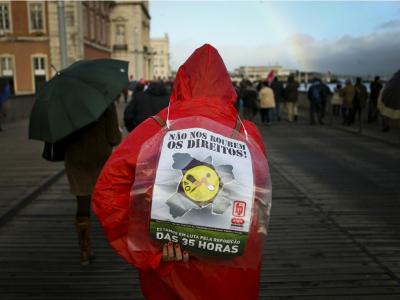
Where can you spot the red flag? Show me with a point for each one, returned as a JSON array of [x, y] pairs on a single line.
[[271, 76]]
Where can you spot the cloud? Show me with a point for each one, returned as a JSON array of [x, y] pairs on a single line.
[[392, 24], [376, 53], [302, 39]]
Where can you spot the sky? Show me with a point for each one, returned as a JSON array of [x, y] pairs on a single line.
[[357, 38]]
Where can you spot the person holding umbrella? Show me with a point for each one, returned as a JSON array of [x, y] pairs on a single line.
[[389, 101], [75, 111]]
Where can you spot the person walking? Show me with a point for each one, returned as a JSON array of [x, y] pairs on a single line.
[[291, 95], [145, 104], [238, 105], [315, 98], [278, 89], [325, 93], [85, 154], [267, 102], [5, 92], [250, 106], [375, 88], [360, 100], [127, 195], [125, 94], [75, 115], [337, 100], [347, 94]]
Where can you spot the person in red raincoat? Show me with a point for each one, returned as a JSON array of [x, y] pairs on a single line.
[[202, 88]]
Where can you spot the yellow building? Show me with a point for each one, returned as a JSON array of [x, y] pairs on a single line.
[[161, 67], [130, 36]]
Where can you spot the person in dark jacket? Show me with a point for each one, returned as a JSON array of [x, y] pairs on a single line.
[[85, 154], [318, 95], [314, 96], [277, 87], [376, 87], [5, 92], [145, 104], [325, 96], [360, 99], [250, 97], [237, 103], [291, 96]]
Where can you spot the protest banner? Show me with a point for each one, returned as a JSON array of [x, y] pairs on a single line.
[[203, 192]]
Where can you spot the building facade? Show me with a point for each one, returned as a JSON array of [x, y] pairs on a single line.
[[24, 44], [29, 38], [130, 37], [257, 72], [254, 73], [96, 31], [161, 66]]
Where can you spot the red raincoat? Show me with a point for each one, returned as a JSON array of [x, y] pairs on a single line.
[[202, 88]]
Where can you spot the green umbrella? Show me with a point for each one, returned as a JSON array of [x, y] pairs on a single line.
[[76, 97]]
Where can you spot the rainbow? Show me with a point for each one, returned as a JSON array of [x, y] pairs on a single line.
[[283, 27]]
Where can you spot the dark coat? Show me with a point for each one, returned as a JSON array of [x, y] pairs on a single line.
[[376, 87], [250, 97], [325, 92], [5, 90], [291, 92], [89, 149], [319, 93], [360, 96], [145, 104], [278, 89]]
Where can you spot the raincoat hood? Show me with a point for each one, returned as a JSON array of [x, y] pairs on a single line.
[[203, 76]]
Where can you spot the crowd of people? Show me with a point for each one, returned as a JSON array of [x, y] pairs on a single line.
[[271, 98], [351, 100], [267, 98]]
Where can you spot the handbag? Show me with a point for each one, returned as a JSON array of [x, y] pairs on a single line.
[[54, 151]]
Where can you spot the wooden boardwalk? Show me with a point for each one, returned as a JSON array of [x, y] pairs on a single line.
[[334, 231], [21, 168], [338, 227]]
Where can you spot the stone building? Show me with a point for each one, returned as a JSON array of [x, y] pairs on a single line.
[[130, 36], [161, 66], [29, 38], [256, 72]]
